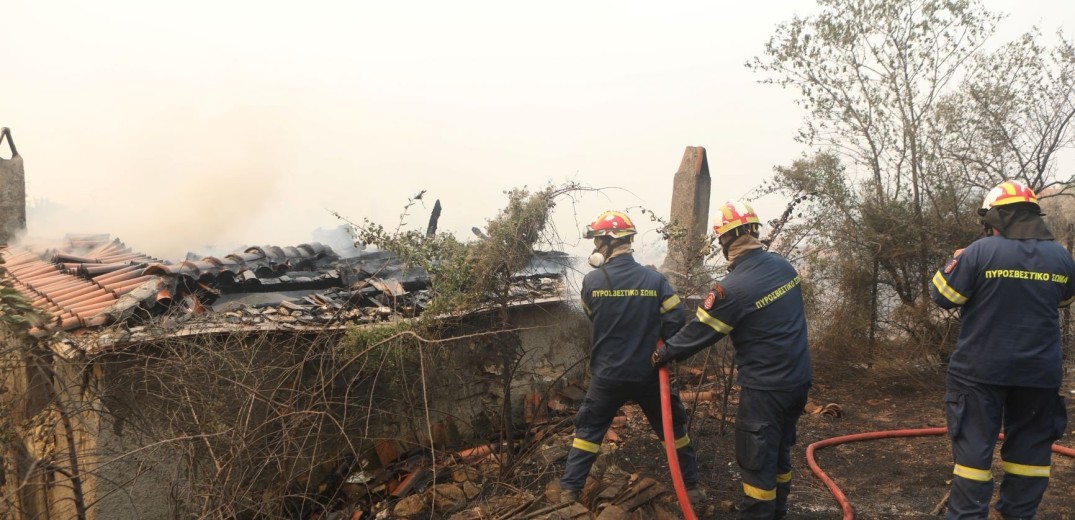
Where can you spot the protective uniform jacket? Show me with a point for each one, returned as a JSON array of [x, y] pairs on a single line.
[[635, 306], [759, 304], [1009, 292]]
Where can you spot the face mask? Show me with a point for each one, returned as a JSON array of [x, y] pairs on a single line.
[[597, 259]]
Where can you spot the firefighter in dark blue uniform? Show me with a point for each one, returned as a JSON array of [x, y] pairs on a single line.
[[1006, 365], [759, 304], [631, 307]]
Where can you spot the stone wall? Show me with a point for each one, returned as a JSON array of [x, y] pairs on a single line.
[[139, 449]]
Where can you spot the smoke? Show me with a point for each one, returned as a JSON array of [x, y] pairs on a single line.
[[650, 253], [573, 275], [340, 239], [180, 183], [650, 250]]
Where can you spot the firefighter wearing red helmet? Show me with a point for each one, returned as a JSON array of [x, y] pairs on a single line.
[[609, 227], [630, 307], [1006, 366], [759, 305]]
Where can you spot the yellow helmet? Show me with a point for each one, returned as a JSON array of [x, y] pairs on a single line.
[[734, 215], [1008, 192]]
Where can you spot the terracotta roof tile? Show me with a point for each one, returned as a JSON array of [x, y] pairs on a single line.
[[92, 270], [85, 284], [125, 273], [64, 290]]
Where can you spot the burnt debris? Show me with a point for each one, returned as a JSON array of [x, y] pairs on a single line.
[[92, 280]]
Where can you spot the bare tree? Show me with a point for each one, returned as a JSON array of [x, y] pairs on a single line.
[[910, 119], [1012, 116]]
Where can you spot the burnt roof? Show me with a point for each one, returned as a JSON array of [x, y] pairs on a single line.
[[92, 280]]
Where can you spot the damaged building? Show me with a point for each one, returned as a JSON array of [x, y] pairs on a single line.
[[148, 368], [281, 381]]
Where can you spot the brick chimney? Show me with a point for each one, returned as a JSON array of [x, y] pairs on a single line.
[[690, 210], [12, 191]]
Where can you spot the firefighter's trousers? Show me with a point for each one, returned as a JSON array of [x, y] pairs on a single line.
[[1032, 418], [764, 433], [603, 399]]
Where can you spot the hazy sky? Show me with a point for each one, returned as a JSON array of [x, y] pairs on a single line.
[[176, 126]]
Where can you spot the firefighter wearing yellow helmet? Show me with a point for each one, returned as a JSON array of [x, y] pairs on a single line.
[[1006, 367], [736, 219], [630, 308], [759, 305]]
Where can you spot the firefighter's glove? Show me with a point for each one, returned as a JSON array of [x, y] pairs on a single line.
[[658, 359]]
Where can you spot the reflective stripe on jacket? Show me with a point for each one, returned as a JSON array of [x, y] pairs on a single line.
[[759, 304], [1009, 292]]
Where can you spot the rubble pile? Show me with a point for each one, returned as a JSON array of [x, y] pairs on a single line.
[[388, 481]]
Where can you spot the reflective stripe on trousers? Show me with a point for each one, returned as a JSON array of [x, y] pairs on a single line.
[[765, 432], [603, 399], [975, 413]]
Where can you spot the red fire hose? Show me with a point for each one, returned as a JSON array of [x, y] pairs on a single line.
[[670, 444], [845, 506]]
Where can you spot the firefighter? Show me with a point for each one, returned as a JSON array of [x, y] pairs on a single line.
[[759, 304], [1006, 365], [630, 307]]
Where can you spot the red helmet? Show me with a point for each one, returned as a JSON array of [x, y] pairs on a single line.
[[1008, 192], [733, 215], [611, 224]]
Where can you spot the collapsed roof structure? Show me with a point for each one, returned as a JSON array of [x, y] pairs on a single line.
[[90, 281]]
